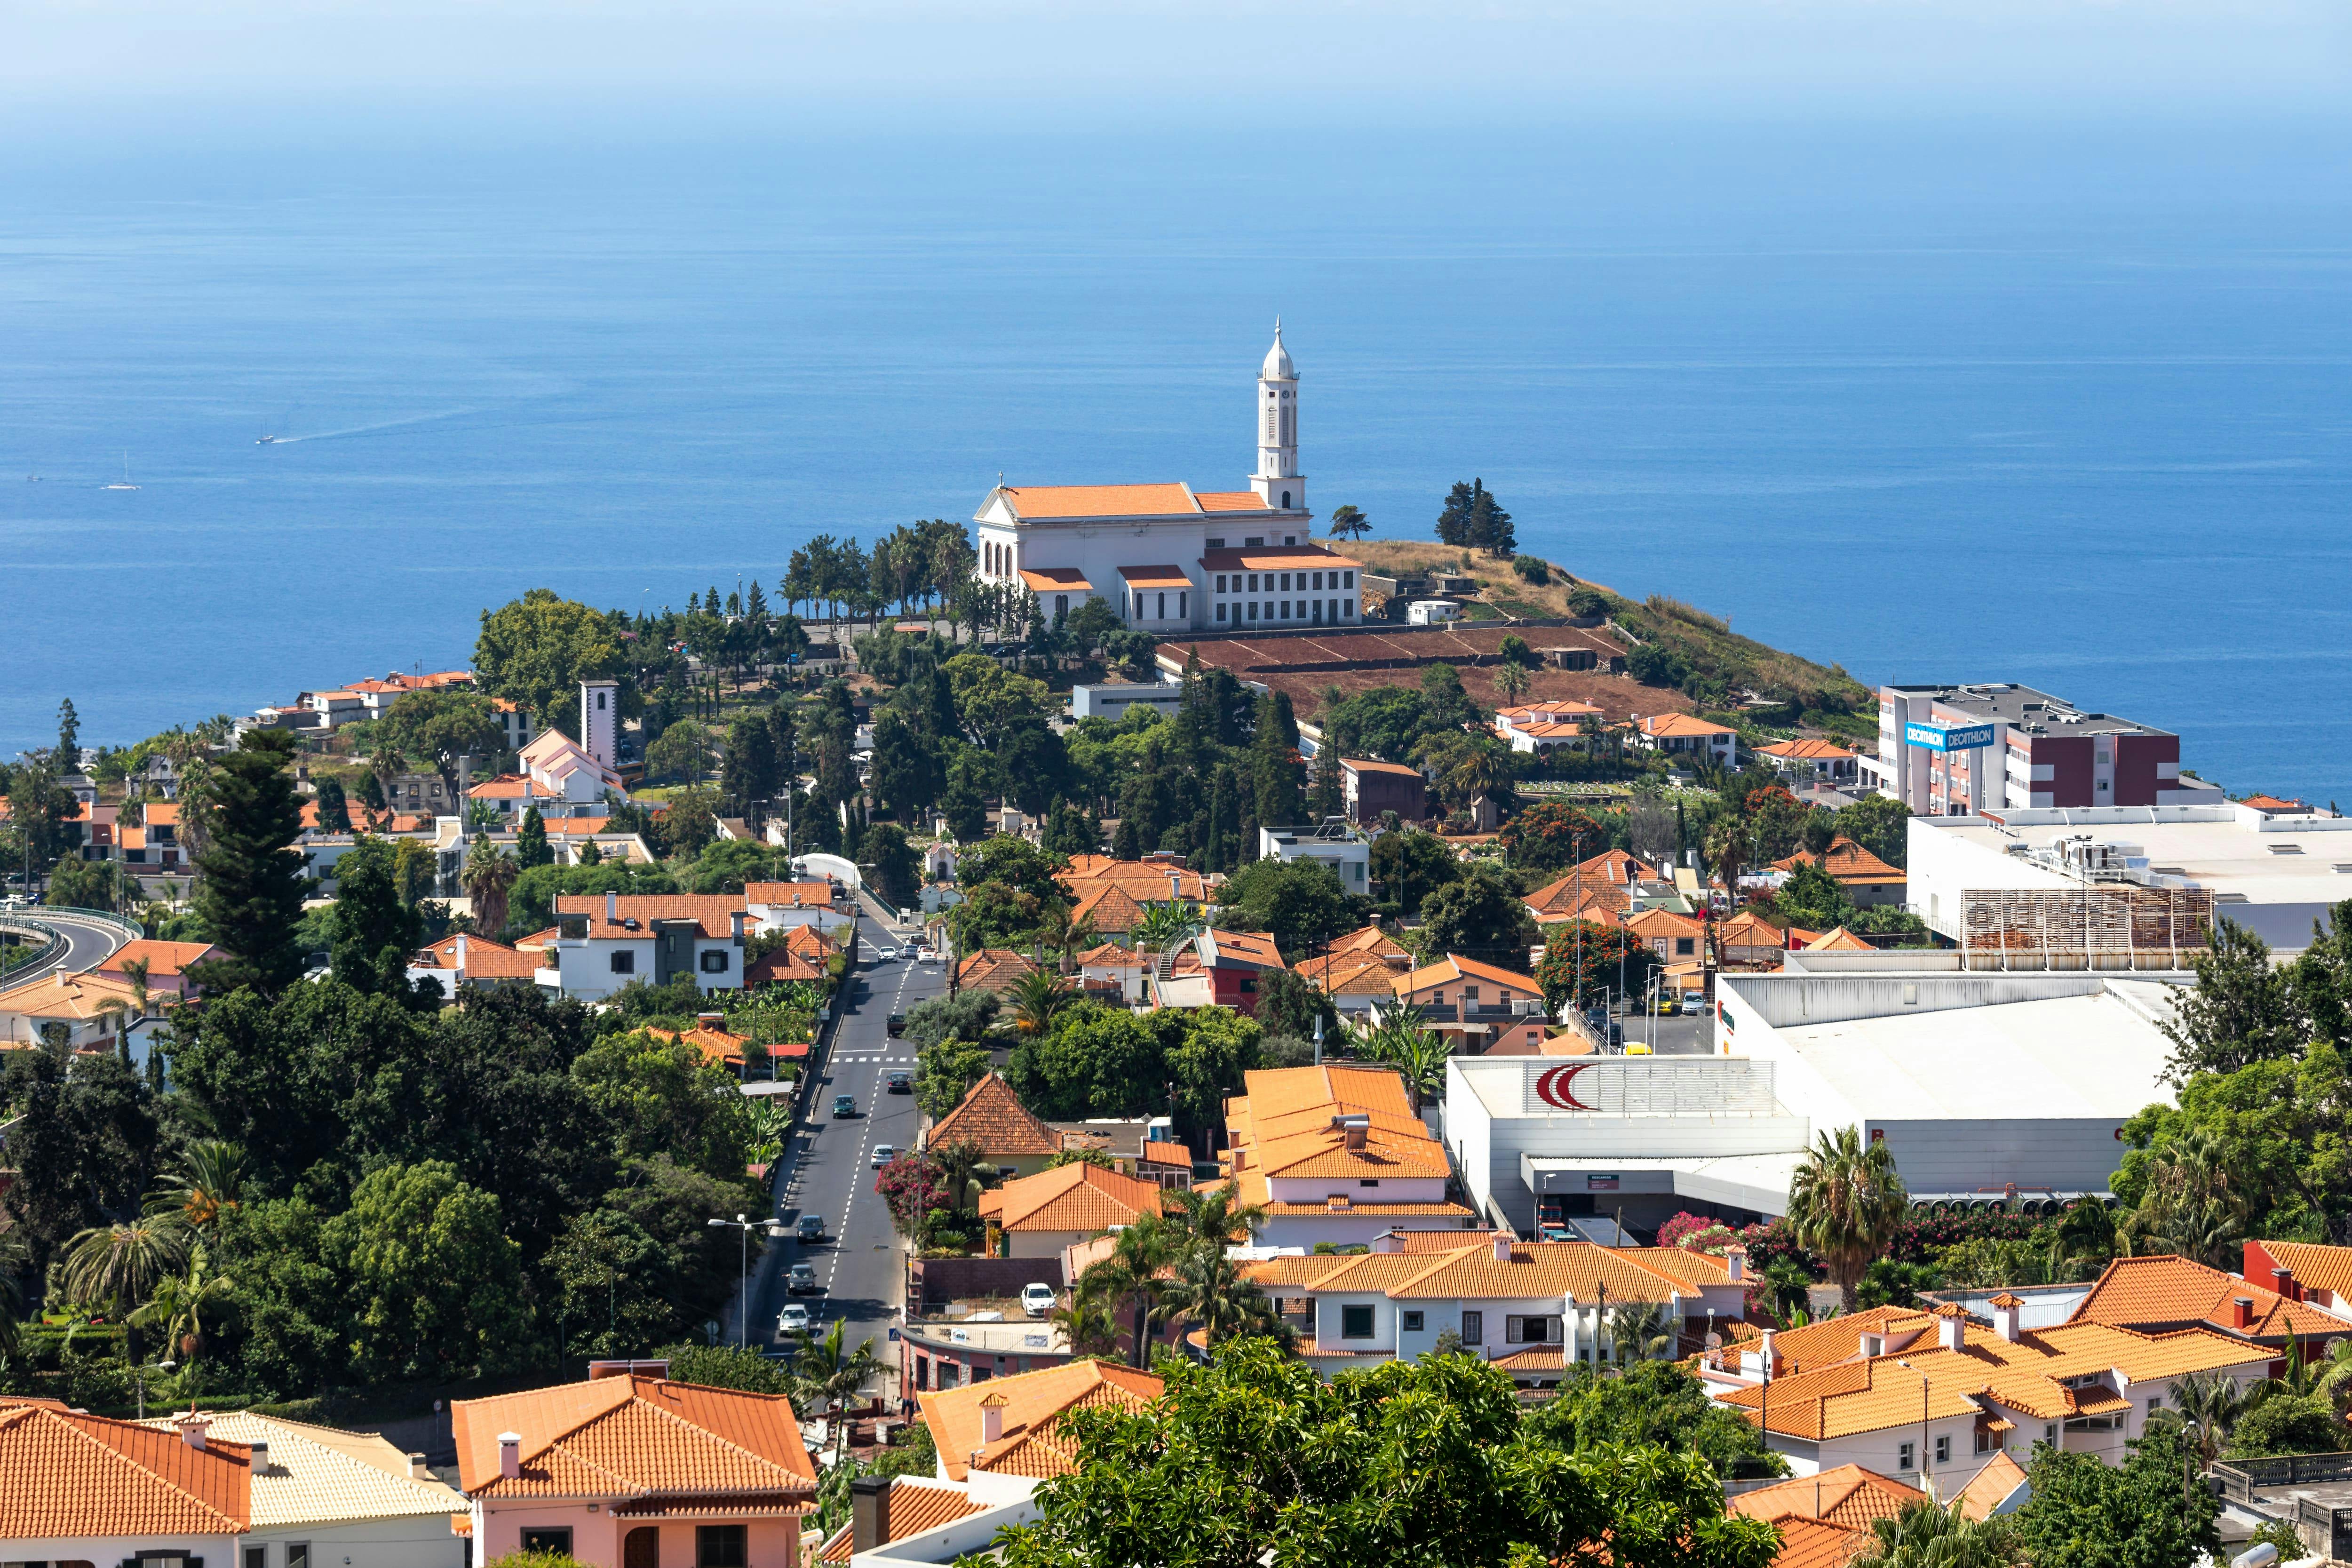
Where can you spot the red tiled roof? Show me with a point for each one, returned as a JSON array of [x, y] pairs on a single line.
[[1077, 1196], [993, 1116], [713, 911], [74, 1476], [1847, 862], [913, 1507], [1034, 1403], [162, 957], [997, 969], [632, 1436], [1847, 1496], [2161, 1288], [485, 959]]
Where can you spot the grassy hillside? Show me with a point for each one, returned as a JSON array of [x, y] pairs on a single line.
[[1681, 647]]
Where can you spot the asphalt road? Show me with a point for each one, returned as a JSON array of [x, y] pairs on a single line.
[[829, 1164], [88, 944]]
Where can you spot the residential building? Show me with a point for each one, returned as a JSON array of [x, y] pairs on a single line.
[[1112, 701], [1539, 727], [166, 964], [1000, 1438], [1747, 939], [1334, 1153], [85, 1489], [1848, 1497], [1041, 1215], [1156, 879], [463, 959], [564, 769], [1810, 760], [1358, 970], [2133, 889], [1431, 612], [2314, 1272], [1166, 558], [1499, 1295], [774, 906], [1670, 936], [629, 1468], [319, 1494], [992, 1117], [887, 1508], [996, 969], [804, 956], [1955, 751], [1940, 1397], [1347, 850], [1369, 790], [2160, 1292], [1111, 967], [1868, 880], [1222, 971], [611, 939], [91, 1009], [1688, 736], [1482, 1005]]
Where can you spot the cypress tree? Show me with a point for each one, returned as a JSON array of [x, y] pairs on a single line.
[[531, 841], [250, 897], [1330, 799], [335, 809]]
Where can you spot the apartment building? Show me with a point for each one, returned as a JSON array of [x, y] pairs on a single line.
[[1952, 751]]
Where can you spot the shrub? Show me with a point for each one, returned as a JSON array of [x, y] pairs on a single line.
[[1532, 569]]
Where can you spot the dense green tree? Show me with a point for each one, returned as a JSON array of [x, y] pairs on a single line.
[[1474, 520], [945, 1072], [81, 1142], [612, 1291], [1846, 1200], [907, 773], [249, 893], [2287, 1424], [434, 1286], [1371, 1467], [1384, 722], [2274, 1127], [1277, 775], [1813, 898], [1291, 1004], [1410, 865], [659, 1097], [86, 885], [334, 810], [751, 771], [68, 737], [1300, 903], [531, 848], [1879, 825], [1548, 836], [749, 1368], [442, 726], [1099, 1061], [2243, 1010], [1653, 1403], [897, 870], [1585, 961], [2086, 1513], [293, 1328], [531, 904], [536, 651], [1481, 916], [375, 932], [685, 750]]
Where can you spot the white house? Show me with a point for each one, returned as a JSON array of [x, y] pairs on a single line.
[[779, 906], [1687, 735], [1347, 850], [1166, 558], [1335, 1154], [606, 940], [1547, 726]]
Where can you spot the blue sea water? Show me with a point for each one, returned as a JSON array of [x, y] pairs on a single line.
[[2055, 403]]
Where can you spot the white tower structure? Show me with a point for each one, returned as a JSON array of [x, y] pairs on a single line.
[[599, 712], [1277, 480]]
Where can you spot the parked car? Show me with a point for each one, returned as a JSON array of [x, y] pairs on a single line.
[[883, 1154], [1037, 1298], [896, 1022], [843, 1105], [812, 1228], [898, 1080], [800, 1280], [792, 1320]]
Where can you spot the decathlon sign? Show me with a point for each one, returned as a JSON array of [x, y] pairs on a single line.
[[1947, 737], [1634, 1086]]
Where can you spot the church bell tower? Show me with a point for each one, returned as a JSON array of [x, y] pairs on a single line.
[[1277, 480]]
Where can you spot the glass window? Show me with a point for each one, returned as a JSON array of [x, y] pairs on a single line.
[[1286, 582], [1221, 582], [1221, 612], [624, 963], [1216, 544], [719, 1546], [1253, 609], [1412, 1322], [1474, 1327], [257, 1557], [1943, 1451], [715, 962], [1252, 587], [1319, 581], [553, 1538], [1906, 1458], [1367, 1181], [1355, 1322], [1347, 579], [923, 1371], [1183, 606]]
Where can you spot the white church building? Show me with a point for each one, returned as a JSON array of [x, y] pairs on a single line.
[[1169, 558]]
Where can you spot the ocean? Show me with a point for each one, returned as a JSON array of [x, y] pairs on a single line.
[[2056, 403]]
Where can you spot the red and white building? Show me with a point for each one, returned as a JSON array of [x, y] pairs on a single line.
[[1687, 735], [1955, 751], [1540, 727]]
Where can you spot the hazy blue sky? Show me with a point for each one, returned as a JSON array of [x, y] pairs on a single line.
[[880, 60]]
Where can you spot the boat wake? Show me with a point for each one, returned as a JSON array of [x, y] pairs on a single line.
[[366, 429]]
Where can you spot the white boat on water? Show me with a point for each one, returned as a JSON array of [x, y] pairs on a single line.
[[125, 484]]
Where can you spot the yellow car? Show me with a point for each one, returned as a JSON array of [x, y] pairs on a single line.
[[1637, 1049]]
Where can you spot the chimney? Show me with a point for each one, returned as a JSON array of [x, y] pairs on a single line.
[[418, 1470], [1952, 1327], [2283, 1281], [2242, 1311], [509, 1455], [1502, 1246], [192, 1428], [709, 1020], [260, 1456], [1387, 1241], [461, 955], [2007, 1314], [1770, 1356], [991, 1417], [1735, 1262], [655, 1368], [869, 1513], [612, 909]]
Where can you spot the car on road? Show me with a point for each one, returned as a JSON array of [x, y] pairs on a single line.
[[843, 1105], [1036, 1299], [886, 955], [896, 1024], [883, 1154], [898, 1080], [792, 1320], [812, 1228], [800, 1280]]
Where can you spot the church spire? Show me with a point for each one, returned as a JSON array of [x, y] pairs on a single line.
[[1277, 480]]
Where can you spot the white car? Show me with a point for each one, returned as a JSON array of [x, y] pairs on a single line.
[[883, 1154], [1037, 1298], [792, 1320]]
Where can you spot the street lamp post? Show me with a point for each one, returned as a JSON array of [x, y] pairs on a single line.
[[138, 1378], [1927, 1472], [745, 1227]]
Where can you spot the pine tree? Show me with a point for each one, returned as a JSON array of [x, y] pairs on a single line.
[[1330, 799], [531, 841], [1124, 845], [1276, 782], [1224, 820], [694, 601], [69, 738], [755, 602], [334, 810], [250, 894]]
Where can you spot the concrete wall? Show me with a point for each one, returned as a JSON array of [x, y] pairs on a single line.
[[417, 1541], [1790, 1000], [597, 1536]]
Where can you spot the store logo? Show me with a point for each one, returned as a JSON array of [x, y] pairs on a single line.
[[1556, 1088]]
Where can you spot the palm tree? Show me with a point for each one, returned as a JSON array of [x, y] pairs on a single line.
[[2194, 1204], [181, 1303], [116, 1265], [1091, 1324], [206, 1183], [1132, 1274], [1165, 923], [1210, 1290], [2214, 1400], [828, 1378], [1479, 772], [1727, 848], [1214, 1217], [1513, 680], [2086, 1234], [1403, 1041], [1037, 997], [1926, 1536], [1641, 1331], [964, 1174], [1845, 1204], [490, 872]]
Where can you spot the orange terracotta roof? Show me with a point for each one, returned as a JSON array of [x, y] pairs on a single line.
[[1815, 1544], [1034, 1402], [779, 966], [1847, 862], [806, 895], [162, 814], [1110, 955], [713, 911], [914, 1506], [1992, 1485], [1848, 1496], [1367, 765], [1371, 940], [1806, 749], [1144, 879], [1248, 946], [997, 969], [1350, 975], [717, 1047], [993, 1116], [635, 1437], [1550, 1268], [1453, 967], [1155, 577], [1043, 501], [2316, 1266], [74, 1476], [485, 959], [1056, 579], [1077, 1196], [506, 786], [82, 996], [1278, 1101], [1274, 558], [1838, 940], [1653, 923], [1570, 896], [1108, 906], [1168, 1154], [2163, 1289], [1679, 725], [162, 957], [1231, 501]]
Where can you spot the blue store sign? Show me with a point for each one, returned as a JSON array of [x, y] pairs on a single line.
[[1947, 737]]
